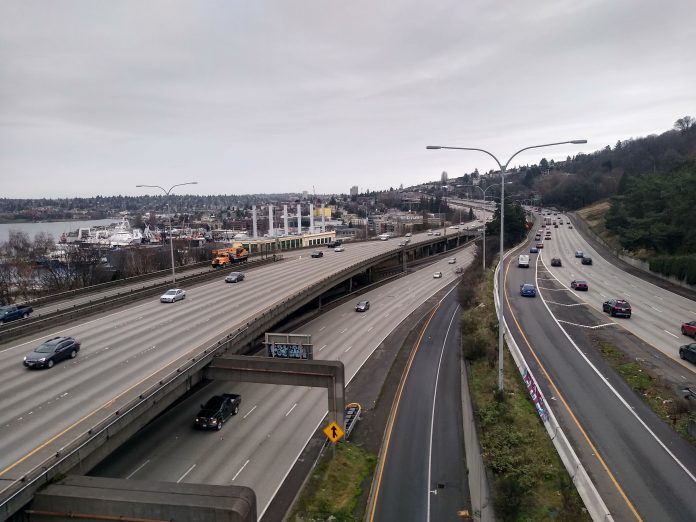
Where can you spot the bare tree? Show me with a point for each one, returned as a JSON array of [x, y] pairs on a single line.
[[684, 124]]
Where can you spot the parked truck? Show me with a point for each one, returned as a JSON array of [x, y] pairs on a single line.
[[226, 256], [12, 312]]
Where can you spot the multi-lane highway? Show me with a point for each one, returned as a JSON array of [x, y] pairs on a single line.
[[657, 312], [124, 350], [258, 447], [642, 469]]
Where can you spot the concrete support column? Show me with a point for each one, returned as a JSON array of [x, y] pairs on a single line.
[[270, 220], [311, 218], [285, 219], [255, 232], [299, 218], [323, 219]]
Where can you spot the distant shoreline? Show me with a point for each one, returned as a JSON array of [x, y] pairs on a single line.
[[57, 220]]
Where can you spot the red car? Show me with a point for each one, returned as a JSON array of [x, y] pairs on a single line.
[[689, 329], [540, 244], [579, 285]]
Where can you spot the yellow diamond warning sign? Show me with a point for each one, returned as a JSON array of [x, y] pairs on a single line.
[[334, 432]]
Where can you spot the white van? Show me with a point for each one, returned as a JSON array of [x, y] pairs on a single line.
[[523, 261]]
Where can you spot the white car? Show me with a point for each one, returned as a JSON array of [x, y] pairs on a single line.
[[174, 294], [437, 275], [339, 249], [452, 260]]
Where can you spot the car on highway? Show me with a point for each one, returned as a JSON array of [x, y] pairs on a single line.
[[689, 329], [617, 307], [234, 277], [52, 351], [527, 290], [579, 253], [172, 295], [579, 285], [534, 250], [408, 234], [437, 233], [430, 233], [548, 237], [217, 410], [540, 244], [586, 260], [339, 248], [317, 253], [570, 226], [362, 306], [437, 275], [13, 312], [459, 270], [688, 352], [537, 237], [556, 261], [452, 260]]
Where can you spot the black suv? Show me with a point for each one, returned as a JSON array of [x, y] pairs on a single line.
[[688, 352], [555, 261], [217, 410], [52, 351], [616, 307], [586, 260], [317, 253]]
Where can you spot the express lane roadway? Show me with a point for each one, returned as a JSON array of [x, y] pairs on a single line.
[[424, 472]]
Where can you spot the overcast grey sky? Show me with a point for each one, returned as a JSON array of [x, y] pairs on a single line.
[[279, 96]]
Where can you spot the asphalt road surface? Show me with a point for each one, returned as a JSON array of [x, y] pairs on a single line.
[[259, 446], [125, 350], [642, 469], [423, 476], [657, 314]]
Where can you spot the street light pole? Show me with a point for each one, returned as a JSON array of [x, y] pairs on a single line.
[[169, 208], [502, 234], [483, 194]]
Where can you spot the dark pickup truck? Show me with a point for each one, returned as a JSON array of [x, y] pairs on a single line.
[[12, 312], [217, 410]]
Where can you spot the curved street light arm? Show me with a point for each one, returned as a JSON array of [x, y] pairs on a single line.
[[540, 146]]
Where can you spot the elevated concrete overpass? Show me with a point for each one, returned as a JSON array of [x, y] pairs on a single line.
[[60, 450]]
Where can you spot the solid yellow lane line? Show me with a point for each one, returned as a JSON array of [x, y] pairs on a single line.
[[392, 413], [558, 394]]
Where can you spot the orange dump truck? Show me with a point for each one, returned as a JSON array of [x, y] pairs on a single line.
[[227, 256]]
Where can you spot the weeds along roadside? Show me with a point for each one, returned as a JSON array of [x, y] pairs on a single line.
[[527, 478]]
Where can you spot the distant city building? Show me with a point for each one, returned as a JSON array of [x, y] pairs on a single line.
[[304, 194], [354, 190]]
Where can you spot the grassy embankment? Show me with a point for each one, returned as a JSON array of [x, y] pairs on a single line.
[[529, 479], [335, 486], [594, 217], [662, 397]]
